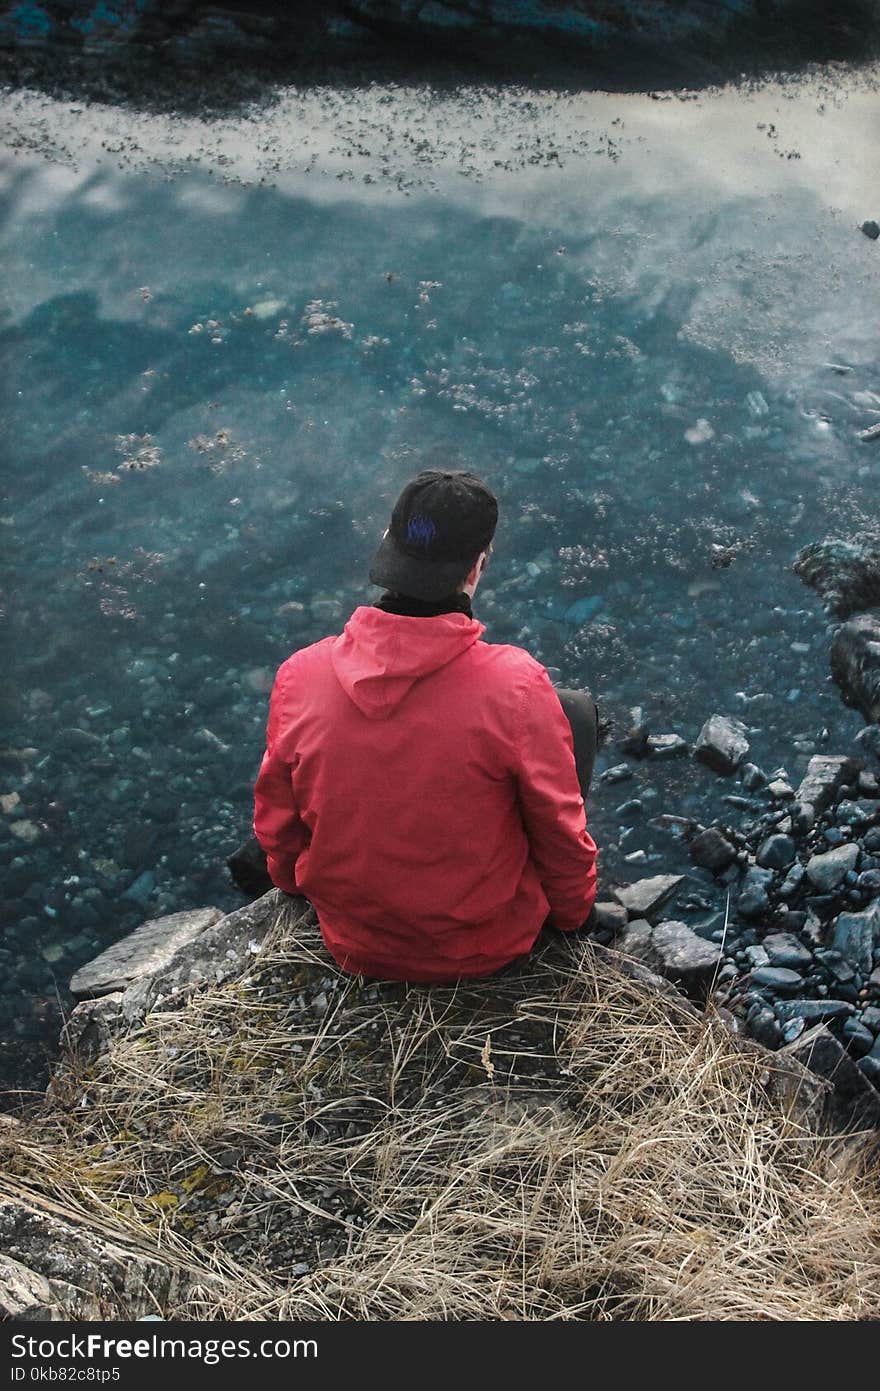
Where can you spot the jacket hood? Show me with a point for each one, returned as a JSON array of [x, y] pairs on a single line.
[[380, 656]]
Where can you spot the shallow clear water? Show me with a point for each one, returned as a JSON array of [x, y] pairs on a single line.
[[650, 324]]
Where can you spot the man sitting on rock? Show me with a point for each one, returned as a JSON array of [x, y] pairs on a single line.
[[423, 788]]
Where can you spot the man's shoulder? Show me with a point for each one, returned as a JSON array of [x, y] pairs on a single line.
[[310, 655], [510, 659], [511, 674]]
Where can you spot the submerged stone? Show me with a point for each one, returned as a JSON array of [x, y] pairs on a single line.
[[722, 743]]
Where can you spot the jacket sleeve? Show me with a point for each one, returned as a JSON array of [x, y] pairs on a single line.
[[277, 823], [552, 809]]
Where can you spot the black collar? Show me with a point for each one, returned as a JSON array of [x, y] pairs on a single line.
[[424, 608]]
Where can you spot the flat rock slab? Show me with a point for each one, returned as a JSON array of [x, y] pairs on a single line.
[[825, 774], [671, 950], [214, 956], [647, 895], [722, 743], [683, 955], [142, 953]]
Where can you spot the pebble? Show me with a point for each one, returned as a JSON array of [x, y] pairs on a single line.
[[751, 777], [667, 745], [780, 790], [754, 899], [619, 773], [778, 978], [871, 229]]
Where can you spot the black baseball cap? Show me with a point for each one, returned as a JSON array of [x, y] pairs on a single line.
[[440, 524]]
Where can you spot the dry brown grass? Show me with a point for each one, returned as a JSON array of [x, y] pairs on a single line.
[[556, 1143]]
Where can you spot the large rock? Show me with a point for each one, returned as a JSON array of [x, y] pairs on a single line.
[[857, 936], [142, 953], [854, 1100], [647, 895], [60, 1270], [683, 956], [26, 1295], [214, 956], [825, 774], [855, 663], [672, 950], [722, 743], [845, 574]]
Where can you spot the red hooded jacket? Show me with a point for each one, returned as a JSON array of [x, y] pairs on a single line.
[[419, 787]]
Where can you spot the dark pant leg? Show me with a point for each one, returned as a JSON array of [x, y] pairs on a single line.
[[582, 714]]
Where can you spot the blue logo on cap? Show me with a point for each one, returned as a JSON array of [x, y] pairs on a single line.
[[420, 530]]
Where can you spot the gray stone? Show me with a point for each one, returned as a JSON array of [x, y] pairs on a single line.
[[776, 852], [792, 881], [89, 1276], [620, 772], [683, 955], [869, 739], [637, 941], [845, 574], [216, 955], [76, 741], [753, 899], [780, 789], [91, 1026], [857, 935], [751, 777], [646, 896], [143, 952], [784, 949], [712, 850], [825, 774], [828, 871], [667, 745], [608, 917], [756, 956], [26, 1295], [722, 743], [871, 1018], [871, 229], [854, 1101], [778, 978]]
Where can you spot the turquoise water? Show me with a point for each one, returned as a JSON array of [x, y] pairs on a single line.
[[658, 344]]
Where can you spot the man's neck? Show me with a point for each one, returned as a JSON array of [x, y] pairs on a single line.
[[424, 608]]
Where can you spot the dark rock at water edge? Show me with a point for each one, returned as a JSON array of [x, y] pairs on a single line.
[[855, 663], [845, 574], [722, 744]]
